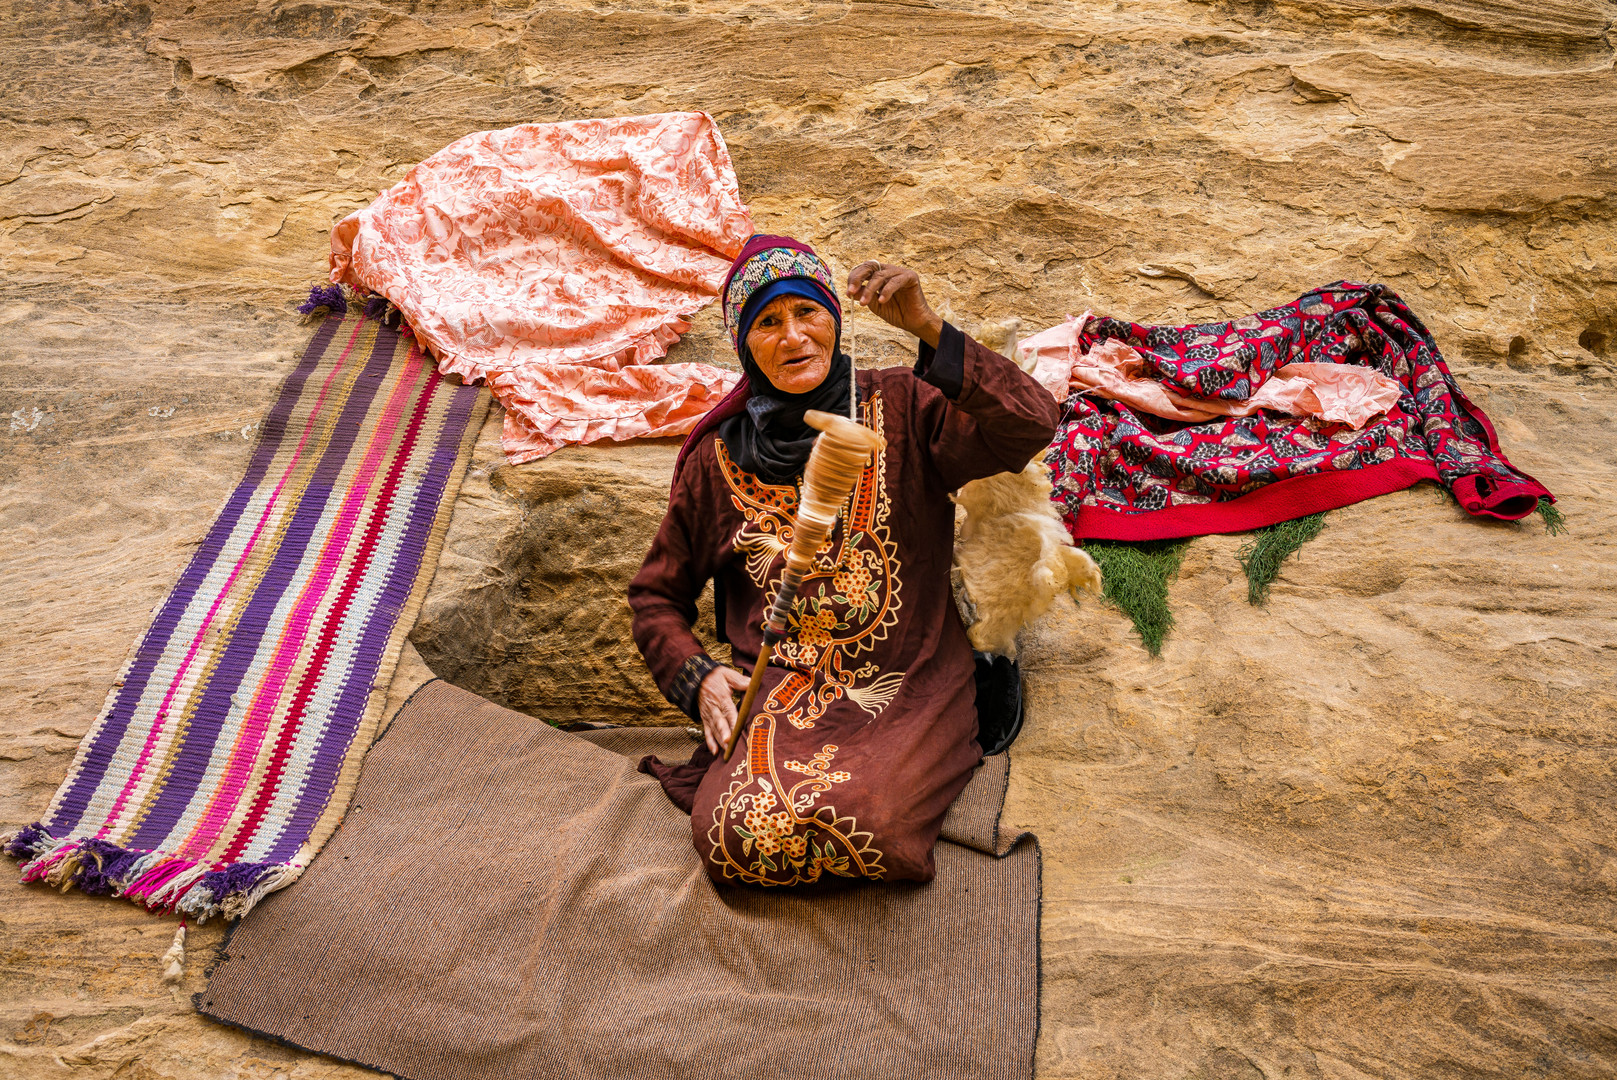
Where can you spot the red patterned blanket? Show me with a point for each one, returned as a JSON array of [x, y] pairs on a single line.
[[1124, 475]]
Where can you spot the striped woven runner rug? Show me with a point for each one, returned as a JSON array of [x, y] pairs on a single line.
[[228, 750]]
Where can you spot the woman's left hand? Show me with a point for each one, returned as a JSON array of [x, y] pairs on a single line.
[[717, 705], [894, 293]]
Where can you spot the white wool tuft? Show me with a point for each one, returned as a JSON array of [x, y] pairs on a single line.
[[1013, 556], [1000, 336], [173, 961]]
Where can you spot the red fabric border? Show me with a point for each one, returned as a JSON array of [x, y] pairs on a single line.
[[1279, 501], [1507, 500]]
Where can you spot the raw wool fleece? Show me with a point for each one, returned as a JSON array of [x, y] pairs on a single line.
[[1013, 556]]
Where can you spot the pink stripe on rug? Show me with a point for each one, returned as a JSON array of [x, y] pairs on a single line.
[[244, 756], [154, 736], [314, 674]]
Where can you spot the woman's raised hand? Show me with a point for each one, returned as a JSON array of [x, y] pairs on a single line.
[[894, 293], [717, 704]]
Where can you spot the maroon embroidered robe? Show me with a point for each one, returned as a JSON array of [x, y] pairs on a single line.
[[867, 726]]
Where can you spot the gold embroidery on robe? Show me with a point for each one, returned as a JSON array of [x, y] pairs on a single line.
[[785, 838], [848, 601]]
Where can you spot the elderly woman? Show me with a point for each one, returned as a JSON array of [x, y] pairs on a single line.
[[866, 727]]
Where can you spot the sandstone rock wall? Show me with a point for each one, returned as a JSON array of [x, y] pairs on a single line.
[[1364, 832], [528, 606]]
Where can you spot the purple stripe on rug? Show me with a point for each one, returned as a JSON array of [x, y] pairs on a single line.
[[98, 757], [185, 779], [349, 708]]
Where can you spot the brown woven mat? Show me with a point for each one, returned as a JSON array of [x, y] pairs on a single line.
[[508, 900]]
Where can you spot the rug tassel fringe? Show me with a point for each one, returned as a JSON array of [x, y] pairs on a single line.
[[174, 960], [153, 887], [239, 904], [324, 300], [157, 880], [44, 860], [62, 875], [168, 896]]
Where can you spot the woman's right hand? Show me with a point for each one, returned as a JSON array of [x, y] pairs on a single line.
[[894, 293], [717, 703]]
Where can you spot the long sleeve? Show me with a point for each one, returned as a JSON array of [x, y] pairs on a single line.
[[663, 597], [984, 415]]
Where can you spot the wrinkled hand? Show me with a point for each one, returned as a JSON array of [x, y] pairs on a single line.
[[894, 293], [717, 703]]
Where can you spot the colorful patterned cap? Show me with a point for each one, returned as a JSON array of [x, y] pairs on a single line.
[[767, 259]]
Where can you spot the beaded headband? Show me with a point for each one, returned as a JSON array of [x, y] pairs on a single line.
[[773, 264]]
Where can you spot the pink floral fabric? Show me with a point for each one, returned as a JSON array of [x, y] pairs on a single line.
[[558, 262], [1113, 369]]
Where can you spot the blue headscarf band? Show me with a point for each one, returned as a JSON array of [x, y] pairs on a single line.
[[807, 288]]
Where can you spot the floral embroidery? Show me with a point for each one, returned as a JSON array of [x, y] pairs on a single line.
[[853, 581], [768, 827], [798, 843], [848, 600]]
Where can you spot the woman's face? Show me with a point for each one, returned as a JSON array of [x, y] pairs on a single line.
[[791, 342]]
